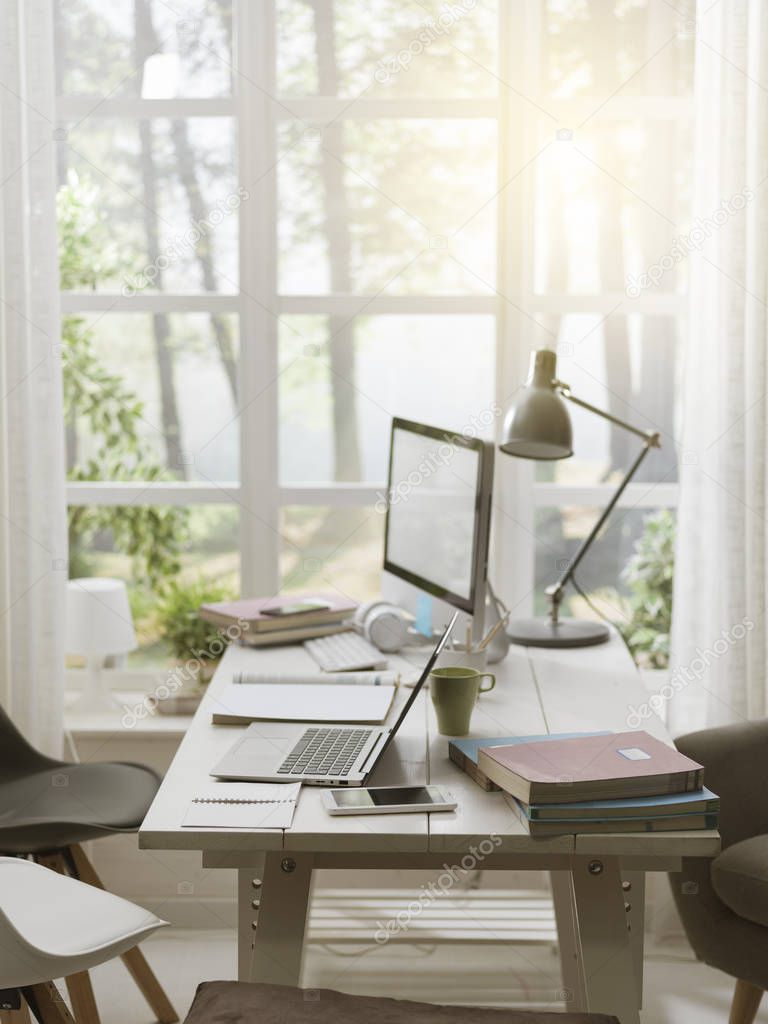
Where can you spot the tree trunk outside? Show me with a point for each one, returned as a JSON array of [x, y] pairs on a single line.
[[186, 169]]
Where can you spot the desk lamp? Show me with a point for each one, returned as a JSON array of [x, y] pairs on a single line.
[[538, 426], [99, 623]]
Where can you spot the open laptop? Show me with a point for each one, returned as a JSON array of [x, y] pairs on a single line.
[[325, 755]]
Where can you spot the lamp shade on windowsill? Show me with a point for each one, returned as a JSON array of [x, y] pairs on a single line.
[[99, 620], [538, 424]]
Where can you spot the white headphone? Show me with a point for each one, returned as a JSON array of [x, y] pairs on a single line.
[[385, 625]]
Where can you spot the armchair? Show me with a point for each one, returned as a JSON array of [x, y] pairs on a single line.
[[723, 903]]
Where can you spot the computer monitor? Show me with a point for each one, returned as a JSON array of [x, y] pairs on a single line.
[[439, 495]]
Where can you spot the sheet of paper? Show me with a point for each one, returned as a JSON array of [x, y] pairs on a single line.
[[308, 703], [237, 816]]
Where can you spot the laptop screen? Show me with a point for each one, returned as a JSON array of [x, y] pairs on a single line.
[[422, 679]]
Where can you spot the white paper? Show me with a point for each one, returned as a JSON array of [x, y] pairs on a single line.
[[237, 816], [309, 703]]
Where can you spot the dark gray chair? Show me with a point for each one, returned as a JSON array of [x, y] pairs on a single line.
[[723, 902], [49, 807]]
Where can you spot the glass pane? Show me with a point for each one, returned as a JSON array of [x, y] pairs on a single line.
[[608, 209], [166, 194], [389, 206], [386, 49], [593, 48], [635, 595], [197, 548], [337, 398], [153, 392], [336, 549], [629, 366], [146, 48]]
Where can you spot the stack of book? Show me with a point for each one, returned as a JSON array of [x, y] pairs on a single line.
[[592, 782], [258, 629]]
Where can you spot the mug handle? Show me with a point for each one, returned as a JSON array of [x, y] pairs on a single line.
[[487, 689]]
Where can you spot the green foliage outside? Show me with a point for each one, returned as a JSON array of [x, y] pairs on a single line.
[[109, 413], [188, 635], [649, 574]]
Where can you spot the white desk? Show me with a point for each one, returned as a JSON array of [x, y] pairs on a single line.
[[537, 692]]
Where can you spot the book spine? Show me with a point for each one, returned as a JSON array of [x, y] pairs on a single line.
[[471, 769]]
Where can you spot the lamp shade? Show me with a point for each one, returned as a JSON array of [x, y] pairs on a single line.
[[538, 425], [99, 619]]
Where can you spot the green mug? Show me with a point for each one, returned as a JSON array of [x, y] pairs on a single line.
[[454, 692]]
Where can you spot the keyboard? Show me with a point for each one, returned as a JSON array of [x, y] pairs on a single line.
[[345, 652], [325, 751]]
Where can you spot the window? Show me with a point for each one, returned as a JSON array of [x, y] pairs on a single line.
[[284, 223]]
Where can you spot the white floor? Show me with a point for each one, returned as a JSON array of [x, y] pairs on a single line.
[[677, 990]]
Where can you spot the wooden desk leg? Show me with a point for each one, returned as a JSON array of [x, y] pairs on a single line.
[[573, 994], [607, 958], [272, 918]]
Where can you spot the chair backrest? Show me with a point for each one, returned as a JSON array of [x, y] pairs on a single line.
[[52, 926], [17, 757]]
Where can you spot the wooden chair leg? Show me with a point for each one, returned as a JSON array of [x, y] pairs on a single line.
[[746, 1003], [82, 998], [47, 1005], [78, 985], [134, 959], [20, 1016]]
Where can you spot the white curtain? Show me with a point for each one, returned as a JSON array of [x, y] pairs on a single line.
[[33, 540], [721, 577]]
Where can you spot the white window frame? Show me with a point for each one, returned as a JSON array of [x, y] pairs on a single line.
[[259, 493]]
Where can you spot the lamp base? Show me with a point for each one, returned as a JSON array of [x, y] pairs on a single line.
[[566, 633]]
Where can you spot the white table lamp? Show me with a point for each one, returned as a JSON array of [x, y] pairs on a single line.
[[99, 624]]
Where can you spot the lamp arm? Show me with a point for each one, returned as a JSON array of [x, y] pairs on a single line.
[[651, 439], [647, 435]]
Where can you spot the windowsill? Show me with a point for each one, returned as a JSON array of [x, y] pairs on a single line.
[[106, 725]]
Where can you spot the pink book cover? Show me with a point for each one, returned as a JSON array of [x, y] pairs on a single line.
[[251, 610], [623, 755]]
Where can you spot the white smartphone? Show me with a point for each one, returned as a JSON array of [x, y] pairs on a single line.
[[395, 800]]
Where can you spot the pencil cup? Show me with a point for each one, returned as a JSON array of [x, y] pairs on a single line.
[[454, 691]]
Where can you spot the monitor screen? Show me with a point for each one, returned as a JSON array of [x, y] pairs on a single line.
[[438, 510]]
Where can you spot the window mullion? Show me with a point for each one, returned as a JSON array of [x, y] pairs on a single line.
[[258, 411]]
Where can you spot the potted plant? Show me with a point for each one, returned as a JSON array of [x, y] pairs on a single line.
[[196, 645]]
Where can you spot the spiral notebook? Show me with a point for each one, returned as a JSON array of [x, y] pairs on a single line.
[[243, 805]]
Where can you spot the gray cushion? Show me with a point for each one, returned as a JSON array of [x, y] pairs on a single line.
[[740, 878], [231, 1002]]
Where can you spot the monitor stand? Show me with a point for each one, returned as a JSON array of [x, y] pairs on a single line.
[[495, 612]]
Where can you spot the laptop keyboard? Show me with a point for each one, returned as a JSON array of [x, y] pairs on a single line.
[[325, 752]]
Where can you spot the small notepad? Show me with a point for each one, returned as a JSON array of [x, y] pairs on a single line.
[[243, 805]]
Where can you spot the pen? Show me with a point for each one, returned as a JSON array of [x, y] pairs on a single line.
[[494, 631]]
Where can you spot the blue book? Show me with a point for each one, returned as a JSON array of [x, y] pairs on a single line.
[[700, 801], [647, 822], [465, 752]]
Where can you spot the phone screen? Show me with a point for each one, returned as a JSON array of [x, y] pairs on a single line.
[[405, 797], [300, 608]]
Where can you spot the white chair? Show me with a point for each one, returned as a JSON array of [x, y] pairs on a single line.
[[53, 926]]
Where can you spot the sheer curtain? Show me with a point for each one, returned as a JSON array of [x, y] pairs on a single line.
[[719, 653], [33, 544]]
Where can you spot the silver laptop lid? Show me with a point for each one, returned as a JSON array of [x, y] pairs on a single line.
[[422, 679]]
